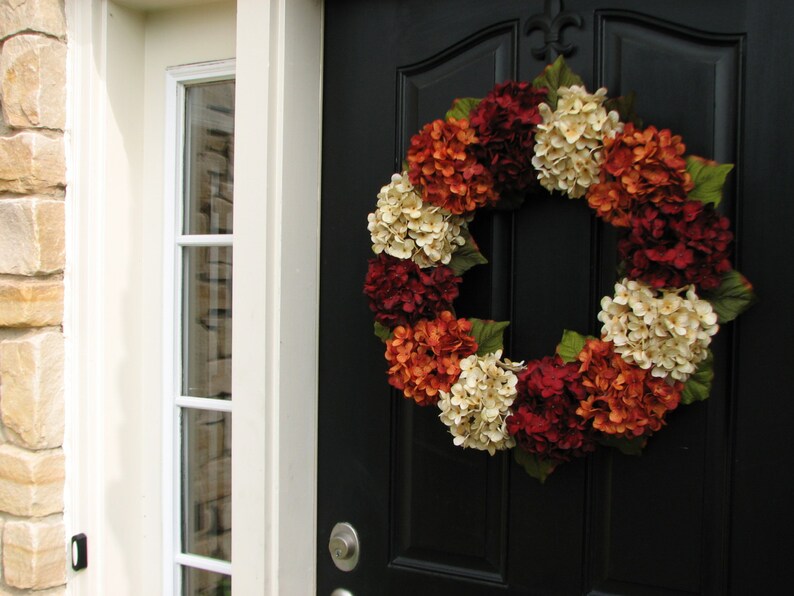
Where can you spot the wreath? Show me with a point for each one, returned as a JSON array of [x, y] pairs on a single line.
[[675, 286]]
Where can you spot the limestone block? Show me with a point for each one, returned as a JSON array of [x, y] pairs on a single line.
[[31, 389], [33, 82], [32, 162], [44, 16], [31, 482], [28, 302], [31, 236], [34, 554]]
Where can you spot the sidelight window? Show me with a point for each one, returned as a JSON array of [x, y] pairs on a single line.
[[199, 275]]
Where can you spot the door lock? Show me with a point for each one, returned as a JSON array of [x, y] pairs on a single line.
[[344, 547]]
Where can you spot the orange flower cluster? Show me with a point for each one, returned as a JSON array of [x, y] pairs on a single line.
[[623, 399], [425, 359], [639, 166], [441, 162]]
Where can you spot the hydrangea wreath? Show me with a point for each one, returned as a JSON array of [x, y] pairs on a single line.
[[677, 282]]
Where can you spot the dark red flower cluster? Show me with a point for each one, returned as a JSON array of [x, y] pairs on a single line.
[[425, 358], [505, 124], [622, 399], [442, 163], [400, 293], [674, 244], [544, 421], [639, 166]]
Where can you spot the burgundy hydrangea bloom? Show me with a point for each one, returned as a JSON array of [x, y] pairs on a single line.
[[400, 293], [671, 245], [545, 421], [505, 124]]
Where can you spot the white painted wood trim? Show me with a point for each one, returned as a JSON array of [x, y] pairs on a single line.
[[84, 379], [274, 381]]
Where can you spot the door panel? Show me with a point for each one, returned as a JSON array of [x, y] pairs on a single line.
[[437, 519]]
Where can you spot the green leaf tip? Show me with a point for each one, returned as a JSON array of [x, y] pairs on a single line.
[[489, 335], [708, 178], [462, 107], [553, 77], [570, 345], [698, 386], [623, 444], [734, 296], [382, 332], [466, 256], [539, 469]]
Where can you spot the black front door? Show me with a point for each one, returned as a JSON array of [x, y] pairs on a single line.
[[707, 508]]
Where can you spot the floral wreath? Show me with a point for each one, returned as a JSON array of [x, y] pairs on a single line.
[[676, 282]]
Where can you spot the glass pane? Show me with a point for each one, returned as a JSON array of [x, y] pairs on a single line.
[[207, 483], [207, 322], [196, 582], [209, 158]]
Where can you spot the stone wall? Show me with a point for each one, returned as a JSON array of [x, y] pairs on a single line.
[[32, 186]]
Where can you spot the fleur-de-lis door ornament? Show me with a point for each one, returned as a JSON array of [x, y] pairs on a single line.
[[551, 22]]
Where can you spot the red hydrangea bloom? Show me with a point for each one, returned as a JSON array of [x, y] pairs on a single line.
[[676, 244], [425, 358], [442, 163], [544, 421], [639, 166], [400, 293], [505, 124], [622, 399]]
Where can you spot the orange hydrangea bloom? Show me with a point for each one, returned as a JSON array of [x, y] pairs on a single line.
[[623, 400], [639, 166], [441, 162], [425, 358]]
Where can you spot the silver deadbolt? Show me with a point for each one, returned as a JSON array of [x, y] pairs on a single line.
[[344, 546]]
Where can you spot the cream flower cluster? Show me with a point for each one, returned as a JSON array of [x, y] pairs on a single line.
[[476, 407], [667, 333], [568, 142], [407, 228]]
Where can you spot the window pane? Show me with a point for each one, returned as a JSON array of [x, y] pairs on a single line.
[[207, 483], [209, 158], [197, 582], [207, 322]]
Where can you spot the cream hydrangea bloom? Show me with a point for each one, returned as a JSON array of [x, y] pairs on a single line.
[[476, 407], [568, 142], [664, 331], [405, 227]]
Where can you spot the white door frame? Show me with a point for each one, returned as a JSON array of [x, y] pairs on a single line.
[[276, 297]]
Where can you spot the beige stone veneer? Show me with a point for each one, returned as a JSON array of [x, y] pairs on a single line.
[[33, 544]]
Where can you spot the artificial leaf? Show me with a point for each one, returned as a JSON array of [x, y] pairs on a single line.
[[623, 444], [553, 77], [405, 166], [461, 107], [708, 178], [489, 335], [466, 256], [698, 386], [382, 332], [571, 344], [734, 296], [624, 106], [533, 465]]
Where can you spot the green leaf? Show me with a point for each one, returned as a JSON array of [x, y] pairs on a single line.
[[734, 296], [708, 177], [489, 335], [698, 386], [624, 445], [382, 332], [553, 77], [624, 106], [466, 256], [533, 465], [571, 344], [461, 107]]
